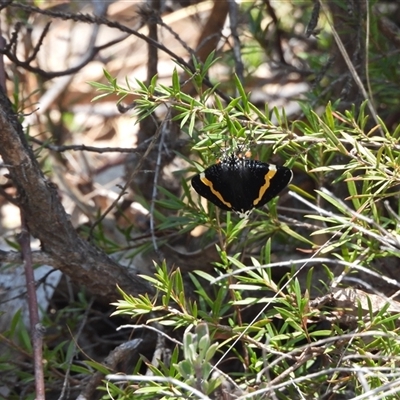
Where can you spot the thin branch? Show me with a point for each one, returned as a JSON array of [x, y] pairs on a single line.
[[312, 24], [278, 31], [39, 44], [73, 353], [2, 68], [351, 68], [89, 56], [237, 54], [176, 36], [91, 19], [36, 331], [152, 59], [82, 147], [161, 133], [126, 186]]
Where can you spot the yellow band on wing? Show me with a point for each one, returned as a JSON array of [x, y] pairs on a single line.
[[213, 191], [268, 176]]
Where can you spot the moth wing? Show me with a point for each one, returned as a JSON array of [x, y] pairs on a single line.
[[209, 184]]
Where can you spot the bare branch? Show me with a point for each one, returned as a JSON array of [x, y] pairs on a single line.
[[100, 20], [55, 74], [36, 331], [39, 44], [82, 147]]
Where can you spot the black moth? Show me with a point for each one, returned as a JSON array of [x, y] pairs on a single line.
[[240, 184]]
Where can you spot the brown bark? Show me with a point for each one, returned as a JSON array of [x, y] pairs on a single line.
[[48, 221]]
